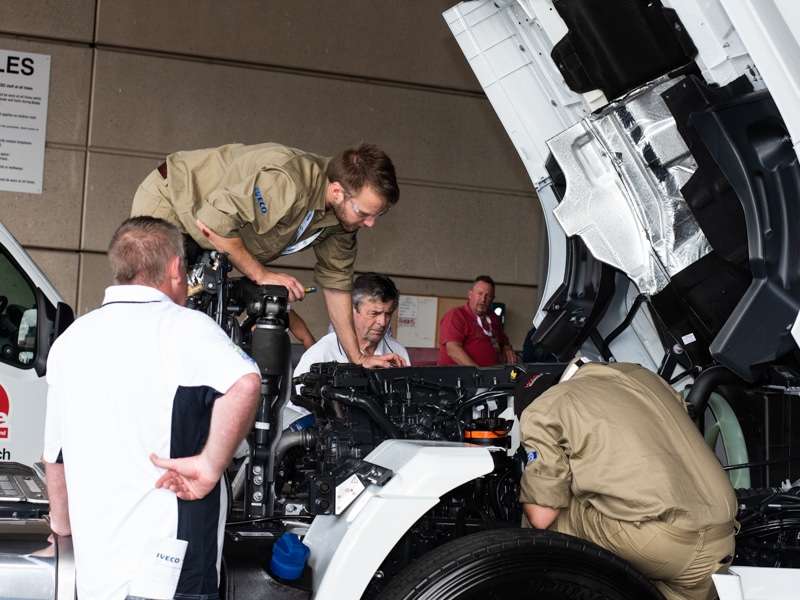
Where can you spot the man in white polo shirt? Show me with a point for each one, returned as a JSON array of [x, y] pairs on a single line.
[[374, 299], [147, 401]]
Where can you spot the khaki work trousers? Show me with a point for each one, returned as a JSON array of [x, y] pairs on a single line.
[[680, 563]]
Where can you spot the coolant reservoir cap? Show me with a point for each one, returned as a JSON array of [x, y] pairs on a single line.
[[289, 555]]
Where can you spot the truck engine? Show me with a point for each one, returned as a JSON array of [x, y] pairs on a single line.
[[356, 409], [292, 472]]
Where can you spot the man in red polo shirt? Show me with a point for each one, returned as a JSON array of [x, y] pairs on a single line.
[[472, 334]]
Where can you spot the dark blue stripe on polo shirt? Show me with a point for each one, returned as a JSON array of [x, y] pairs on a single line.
[[197, 520]]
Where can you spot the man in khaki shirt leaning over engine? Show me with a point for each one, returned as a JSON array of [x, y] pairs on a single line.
[[259, 202], [614, 458]]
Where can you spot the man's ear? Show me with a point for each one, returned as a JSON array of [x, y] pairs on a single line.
[[174, 284], [174, 267]]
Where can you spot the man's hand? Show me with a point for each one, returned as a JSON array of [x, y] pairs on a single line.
[[382, 361], [187, 477], [509, 355], [247, 264], [193, 477], [297, 291]]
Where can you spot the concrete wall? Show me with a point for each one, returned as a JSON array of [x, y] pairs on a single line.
[[133, 80]]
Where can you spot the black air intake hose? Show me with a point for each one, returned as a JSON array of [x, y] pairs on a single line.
[[705, 383], [367, 404]]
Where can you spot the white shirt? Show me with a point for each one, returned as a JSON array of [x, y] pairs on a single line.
[[137, 376], [328, 349]]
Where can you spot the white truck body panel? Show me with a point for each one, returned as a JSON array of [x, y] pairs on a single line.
[[347, 549], [23, 391]]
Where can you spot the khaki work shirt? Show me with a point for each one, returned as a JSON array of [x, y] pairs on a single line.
[[618, 437], [262, 193]]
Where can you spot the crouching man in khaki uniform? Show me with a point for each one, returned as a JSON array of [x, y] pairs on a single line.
[[614, 458]]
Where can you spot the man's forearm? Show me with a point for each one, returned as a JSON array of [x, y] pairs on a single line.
[[540, 517], [241, 258], [300, 330], [193, 477], [340, 312], [247, 264], [59, 500], [458, 355], [231, 420]]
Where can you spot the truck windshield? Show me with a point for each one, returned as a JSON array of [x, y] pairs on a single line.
[[17, 315]]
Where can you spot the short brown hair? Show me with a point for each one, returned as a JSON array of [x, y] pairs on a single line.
[[482, 279], [140, 251], [365, 165]]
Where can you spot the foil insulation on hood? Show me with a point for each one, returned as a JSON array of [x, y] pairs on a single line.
[[624, 168]]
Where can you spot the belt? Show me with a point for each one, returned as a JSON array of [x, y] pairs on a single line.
[[162, 169]]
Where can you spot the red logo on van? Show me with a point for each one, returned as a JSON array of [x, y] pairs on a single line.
[[4, 408]]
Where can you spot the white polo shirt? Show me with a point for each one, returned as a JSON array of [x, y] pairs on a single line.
[[137, 376], [328, 349]]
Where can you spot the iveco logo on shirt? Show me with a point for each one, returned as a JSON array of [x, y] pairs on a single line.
[[260, 200], [172, 559]]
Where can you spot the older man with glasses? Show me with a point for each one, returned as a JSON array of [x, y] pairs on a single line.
[[259, 202]]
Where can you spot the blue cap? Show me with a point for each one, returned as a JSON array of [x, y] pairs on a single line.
[[289, 556]]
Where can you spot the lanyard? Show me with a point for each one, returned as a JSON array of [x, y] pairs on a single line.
[[488, 331], [303, 226]]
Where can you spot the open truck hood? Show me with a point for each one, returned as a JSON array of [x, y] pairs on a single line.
[[661, 138]]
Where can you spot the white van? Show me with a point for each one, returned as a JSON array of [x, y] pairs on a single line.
[[32, 314]]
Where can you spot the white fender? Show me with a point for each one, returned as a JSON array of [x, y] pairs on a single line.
[[347, 549]]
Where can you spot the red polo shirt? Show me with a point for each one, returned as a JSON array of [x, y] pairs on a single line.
[[461, 325]]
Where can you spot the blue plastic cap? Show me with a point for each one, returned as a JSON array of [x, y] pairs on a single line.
[[305, 422], [289, 556]]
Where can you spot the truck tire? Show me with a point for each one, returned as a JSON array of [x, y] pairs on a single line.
[[521, 564]]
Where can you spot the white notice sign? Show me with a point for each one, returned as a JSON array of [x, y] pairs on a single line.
[[24, 89], [416, 321]]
